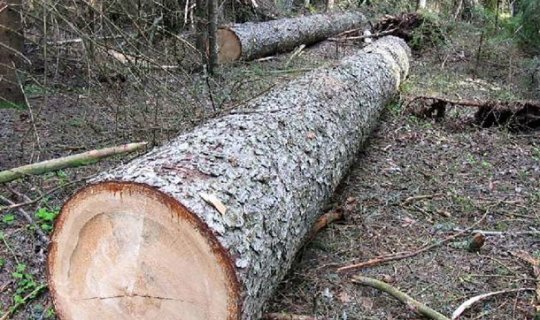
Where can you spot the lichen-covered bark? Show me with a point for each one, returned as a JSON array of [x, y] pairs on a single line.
[[265, 38], [275, 162]]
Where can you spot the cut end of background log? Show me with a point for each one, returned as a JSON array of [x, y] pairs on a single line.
[[230, 47], [135, 253]]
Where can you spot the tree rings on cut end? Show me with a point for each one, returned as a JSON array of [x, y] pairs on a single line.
[[229, 46], [128, 251]]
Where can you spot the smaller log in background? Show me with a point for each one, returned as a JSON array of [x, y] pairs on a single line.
[[250, 40]]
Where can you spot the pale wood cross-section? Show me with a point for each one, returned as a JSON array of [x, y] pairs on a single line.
[[134, 253]]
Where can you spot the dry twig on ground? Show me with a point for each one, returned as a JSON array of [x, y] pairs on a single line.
[[414, 305], [407, 254], [467, 304], [42, 236], [535, 264], [69, 161]]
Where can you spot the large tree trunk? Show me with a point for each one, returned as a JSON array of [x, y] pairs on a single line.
[[11, 50], [207, 225], [253, 40]]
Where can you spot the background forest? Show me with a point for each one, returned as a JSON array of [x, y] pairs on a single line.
[[93, 74]]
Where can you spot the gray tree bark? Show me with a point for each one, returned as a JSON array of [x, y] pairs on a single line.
[[11, 49], [270, 167], [253, 40]]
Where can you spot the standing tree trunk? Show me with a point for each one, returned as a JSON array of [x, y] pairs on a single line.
[[330, 5], [201, 27], [11, 51], [212, 36], [249, 40], [207, 225], [535, 77], [469, 7]]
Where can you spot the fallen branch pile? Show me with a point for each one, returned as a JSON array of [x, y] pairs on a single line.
[[521, 115], [408, 26], [416, 29]]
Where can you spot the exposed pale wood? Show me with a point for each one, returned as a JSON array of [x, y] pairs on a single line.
[[325, 220], [467, 304], [141, 242], [230, 48], [150, 259], [67, 162], [249, 41]]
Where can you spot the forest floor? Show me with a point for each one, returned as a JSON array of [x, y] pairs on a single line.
[[461, 176]]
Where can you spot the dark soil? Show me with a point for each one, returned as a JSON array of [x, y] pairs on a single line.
[[466, 172]]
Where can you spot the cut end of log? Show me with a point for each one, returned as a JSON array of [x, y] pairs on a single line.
[[230, 47], [128, 251]]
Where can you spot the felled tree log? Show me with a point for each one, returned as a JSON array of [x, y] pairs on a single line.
[[249, 40], [207, 225]]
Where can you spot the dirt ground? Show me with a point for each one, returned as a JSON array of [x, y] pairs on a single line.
[[416, 182]]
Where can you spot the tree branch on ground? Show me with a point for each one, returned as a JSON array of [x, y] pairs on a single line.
[[42, 236], [412, 304], [467, 304], [76, 160], [407, 254]]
